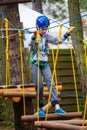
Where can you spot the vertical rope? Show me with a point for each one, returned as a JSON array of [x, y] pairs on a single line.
[[7, 55], [85, 107], [38, 42], [74, 77], [54, 68], [22, 70]]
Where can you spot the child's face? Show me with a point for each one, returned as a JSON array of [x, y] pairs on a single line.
[[43, 30]]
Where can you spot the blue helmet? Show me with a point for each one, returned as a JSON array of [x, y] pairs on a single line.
[[42, 21]]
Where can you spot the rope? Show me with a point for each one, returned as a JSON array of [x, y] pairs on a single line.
[[85, 107], [55, 79], [7, 55], [74, 77], [59, 36], [83, 121], [54, 68], [22, 70], [27, 31], [38, 42], [84, 42]]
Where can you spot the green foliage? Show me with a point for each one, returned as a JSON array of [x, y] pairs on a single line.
[[83, 4], [6, 113], [81, 104], [55, 8]]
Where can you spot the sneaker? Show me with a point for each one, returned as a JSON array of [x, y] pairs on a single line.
[[41, 113], [60, 111]]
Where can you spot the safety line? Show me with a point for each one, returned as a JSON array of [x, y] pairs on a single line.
[[55, 77], [74, 76], [51, 27], [85, 107], [38, 89], [22, 70], [7, 55]]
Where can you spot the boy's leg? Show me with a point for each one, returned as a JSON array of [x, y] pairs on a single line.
[[34, 70], [54, 96], [48, 79]]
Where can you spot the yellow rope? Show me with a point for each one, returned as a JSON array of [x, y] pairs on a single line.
[[38, 42], [74, 77], [84, 42], [55, 78], [59, 38], [54, 68], [85, 107], [7, 55], [22, 70]]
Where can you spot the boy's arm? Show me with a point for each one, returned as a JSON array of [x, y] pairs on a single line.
[[54, 40]]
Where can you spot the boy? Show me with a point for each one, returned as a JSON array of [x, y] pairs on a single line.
[[42, 24]]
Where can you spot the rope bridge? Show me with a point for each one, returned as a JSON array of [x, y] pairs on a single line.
[[24, 90]]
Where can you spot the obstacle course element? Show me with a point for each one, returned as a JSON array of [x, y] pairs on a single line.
[[58, 125], [28, 90], [53, 116], [69, 121]]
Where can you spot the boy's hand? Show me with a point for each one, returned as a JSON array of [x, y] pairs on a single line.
[[35, 34], [71, 29]]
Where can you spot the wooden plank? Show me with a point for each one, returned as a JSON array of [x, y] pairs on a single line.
[[73, 122], [25, 85], [58, 125], [20, 94], [53, 116], [28, 89]]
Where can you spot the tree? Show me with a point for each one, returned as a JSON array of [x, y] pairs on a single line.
[[55, 8], [11, 13], [75, 18]]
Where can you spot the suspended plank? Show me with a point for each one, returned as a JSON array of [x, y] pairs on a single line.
[[75, 122], [30, 85], [53, 116], [27, 89], [71, 122], [8, 2], [25, 85], [58, 126], [20, 94]]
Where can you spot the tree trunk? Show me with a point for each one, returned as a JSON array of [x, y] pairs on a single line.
[[11, 13], [77, 36], [37, 6]]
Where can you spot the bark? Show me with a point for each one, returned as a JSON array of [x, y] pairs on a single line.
[[2, 55], [77, 36], [11, 13], [37, 6]]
